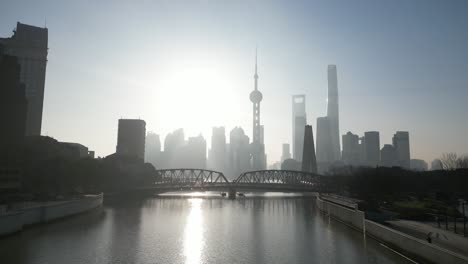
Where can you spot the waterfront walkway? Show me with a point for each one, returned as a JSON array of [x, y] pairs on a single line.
[[440, 237]]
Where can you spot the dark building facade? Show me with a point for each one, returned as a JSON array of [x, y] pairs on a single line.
[[372, 148], [351, 149], [29, 44], [13, 103], [131, 138], [309, 161], [387, 156], [402, 148]]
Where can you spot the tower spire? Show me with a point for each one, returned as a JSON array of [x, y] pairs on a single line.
[[256, 74]]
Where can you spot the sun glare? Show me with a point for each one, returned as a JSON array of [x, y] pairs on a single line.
[[193, 235], [195, 95]]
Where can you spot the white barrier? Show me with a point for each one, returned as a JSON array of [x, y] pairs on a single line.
[[43, 213], [409, 245], [353, 218]]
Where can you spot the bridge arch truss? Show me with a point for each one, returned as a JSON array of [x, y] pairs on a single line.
[[279, 179], [191, 178]]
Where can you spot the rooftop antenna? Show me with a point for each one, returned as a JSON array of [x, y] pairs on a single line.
[[45, 22]]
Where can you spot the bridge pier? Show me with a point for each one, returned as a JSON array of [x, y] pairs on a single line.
[[232, 193]]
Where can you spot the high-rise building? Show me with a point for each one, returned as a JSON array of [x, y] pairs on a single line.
[[239, 153], [258, 146], [309, 161], [333, 113], [299, 120], [194, 153], [173, 145], [131, 138], [13, 104], [29, 44], [387, 156], [402, 148], [350, 154], [372, 148], [286, 153], [153, 149], [217, 154], [362, 151], [324, 150]]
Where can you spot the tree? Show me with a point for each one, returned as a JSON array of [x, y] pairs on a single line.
[[451, 161]]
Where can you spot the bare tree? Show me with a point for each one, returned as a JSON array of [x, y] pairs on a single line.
[[451, 161], [462, 162]]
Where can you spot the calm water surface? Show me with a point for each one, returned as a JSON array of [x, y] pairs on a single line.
[[197, 230]]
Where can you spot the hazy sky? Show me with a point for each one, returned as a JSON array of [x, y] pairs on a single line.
[[402, 65]]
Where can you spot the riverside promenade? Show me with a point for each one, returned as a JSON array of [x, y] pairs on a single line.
[[440, 237], [398, 239]]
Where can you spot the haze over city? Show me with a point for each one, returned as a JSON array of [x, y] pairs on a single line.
[[401, 66], [220, 131]]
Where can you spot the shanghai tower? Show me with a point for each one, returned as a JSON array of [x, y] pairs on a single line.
[[332, 113]]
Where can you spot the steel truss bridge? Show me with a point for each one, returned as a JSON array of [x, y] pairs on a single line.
[[169, 180]]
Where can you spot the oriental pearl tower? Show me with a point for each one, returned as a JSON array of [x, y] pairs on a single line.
[[258, 147]]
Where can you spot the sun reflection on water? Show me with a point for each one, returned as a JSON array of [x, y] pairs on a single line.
[[193, 234]]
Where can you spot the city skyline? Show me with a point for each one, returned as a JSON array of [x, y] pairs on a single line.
[[367, 95]]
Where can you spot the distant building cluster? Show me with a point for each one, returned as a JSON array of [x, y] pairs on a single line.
[[233, 158], [366, 151], [23, 60], [355, 151]]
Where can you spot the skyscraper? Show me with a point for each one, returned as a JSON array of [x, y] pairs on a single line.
[[402, 148], [309, 161], [217, 154], [387, 156], [350, 154], [324, 150], [299, 120], [328, 129], [286, 153], [29, 44], [153, 149], [131, 138], [372, 148], [258, 147], [333, 113]]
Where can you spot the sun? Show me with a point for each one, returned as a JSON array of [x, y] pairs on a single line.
[[196, 95]]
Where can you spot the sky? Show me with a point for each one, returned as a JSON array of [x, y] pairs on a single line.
[[402, 65]]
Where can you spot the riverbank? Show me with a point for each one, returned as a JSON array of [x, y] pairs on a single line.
[[39, 213], [413, 247]]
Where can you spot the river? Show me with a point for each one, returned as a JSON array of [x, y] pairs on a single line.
[[197, 229]]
